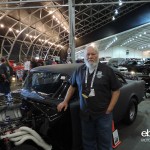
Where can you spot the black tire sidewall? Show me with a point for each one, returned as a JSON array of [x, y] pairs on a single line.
[[127, 118]]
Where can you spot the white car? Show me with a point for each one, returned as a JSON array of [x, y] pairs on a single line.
[[122, 69]]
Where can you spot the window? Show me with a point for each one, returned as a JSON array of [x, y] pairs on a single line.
[[55, 84]]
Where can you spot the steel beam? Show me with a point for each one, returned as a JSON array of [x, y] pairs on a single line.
[[72, 29], [27, 1]]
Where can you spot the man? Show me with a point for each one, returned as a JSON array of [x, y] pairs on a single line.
[[33, 63], [5, 80], [98, 91]]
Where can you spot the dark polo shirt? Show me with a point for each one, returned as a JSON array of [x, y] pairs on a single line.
[[104, 83]]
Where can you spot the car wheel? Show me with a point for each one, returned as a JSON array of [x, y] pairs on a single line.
[[145, 71], [131, 113]]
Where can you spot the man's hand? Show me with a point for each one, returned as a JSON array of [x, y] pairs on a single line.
[[62, 105], [108, 111], [113, 101]]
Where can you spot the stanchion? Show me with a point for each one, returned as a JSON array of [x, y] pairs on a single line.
[[115, 136]]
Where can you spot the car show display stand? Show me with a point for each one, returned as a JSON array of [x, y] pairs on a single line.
[[115, 137]]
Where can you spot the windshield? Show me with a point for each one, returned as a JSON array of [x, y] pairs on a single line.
[[55, 84], [116, 61]]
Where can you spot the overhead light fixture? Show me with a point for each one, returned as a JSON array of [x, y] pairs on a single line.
[[116, 12], [92, 44], [50, 12], [120, 2], [110, 44], [113, 18], [59, 22], [10, 29], [1, 25], [17, 31]]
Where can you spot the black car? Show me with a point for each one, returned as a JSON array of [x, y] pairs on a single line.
[[146, 68], [134, 65], [46, 86]]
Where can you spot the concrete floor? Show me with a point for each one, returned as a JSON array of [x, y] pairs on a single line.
[[130, 136]]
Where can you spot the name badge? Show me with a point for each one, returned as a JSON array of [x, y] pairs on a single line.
[[92, 93]]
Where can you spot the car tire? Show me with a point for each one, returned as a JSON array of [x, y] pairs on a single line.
[[145, 72], [131, 113]]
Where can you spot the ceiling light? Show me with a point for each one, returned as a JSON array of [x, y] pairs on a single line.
[[113, 18], [1, 25], [17, 31], [144, 32], [120, 2], [92, 44], [10, 29], [116, 12], [50, 12]]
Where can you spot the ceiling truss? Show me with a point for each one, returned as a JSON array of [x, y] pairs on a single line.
[[41, 27]]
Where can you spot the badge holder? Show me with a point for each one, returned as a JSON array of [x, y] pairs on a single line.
[[115, 136], [85, 93]]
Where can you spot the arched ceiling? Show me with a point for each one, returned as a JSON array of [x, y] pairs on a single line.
[[41, 27]]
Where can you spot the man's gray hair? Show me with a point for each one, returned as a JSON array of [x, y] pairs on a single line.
[[90, 46]]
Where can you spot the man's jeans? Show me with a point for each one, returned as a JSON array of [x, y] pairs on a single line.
[[97, 133]]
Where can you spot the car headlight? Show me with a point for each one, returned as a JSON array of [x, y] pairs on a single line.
[[132, 72]]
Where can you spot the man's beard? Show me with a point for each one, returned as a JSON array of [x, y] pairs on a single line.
[[91, 65]]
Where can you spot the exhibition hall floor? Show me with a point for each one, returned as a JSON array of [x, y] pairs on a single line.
[[130, 136]]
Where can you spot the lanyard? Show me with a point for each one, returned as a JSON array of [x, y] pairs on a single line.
[[86, 76]]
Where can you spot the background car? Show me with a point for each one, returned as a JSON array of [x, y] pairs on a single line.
[[134, 65], [115, 62], [46, 86], [146, 68]]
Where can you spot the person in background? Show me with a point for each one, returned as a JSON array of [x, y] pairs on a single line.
[[54, 62], [26, 68], [33, 63], [49, 61], [9, 70], [5, 80], [98, 89], [19, 69]]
